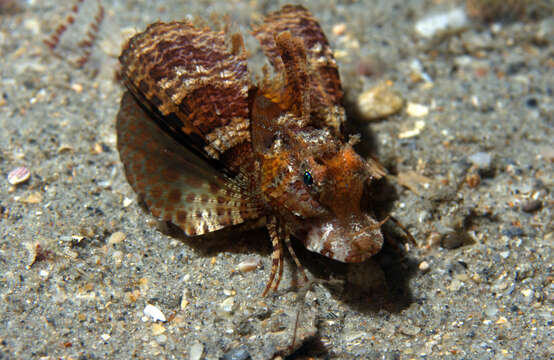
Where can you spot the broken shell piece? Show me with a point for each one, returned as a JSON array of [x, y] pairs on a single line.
[[65, 148], [417, 110], [19, 175], [416, 130], [154, 313], [482, 160], [248, 265], [453, 20], [196, 351]]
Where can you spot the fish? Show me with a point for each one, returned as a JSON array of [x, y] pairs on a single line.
[[207, 148]]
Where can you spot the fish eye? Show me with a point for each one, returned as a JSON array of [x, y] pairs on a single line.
[[308, 179]]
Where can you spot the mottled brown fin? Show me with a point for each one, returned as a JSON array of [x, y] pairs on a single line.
[[176, 184], [196, 82], [324, 81]]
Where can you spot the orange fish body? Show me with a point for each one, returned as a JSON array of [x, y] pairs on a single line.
[[207, 149]]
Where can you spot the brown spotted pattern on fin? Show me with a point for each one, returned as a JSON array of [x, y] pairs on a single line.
[[176, 184], [196, 82]]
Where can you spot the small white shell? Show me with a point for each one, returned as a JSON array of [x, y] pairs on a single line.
[[154, 313], [424, 266], [19, 175], [248, 265], [417, 110], [196, 351]]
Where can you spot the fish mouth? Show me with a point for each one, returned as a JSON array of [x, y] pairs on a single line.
[[350, 241]]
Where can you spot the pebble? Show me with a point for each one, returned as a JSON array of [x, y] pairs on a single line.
[[161, 339], [457, 267], [154, 313], [473, 180], [531, 205], [455, 239], [419, 73], [228, 292], [502, 321], [424, 266], [78, 88], [491, 310], [475, 42], [524, 187], [248, 265], [157, 329], [419, 125], [339, 29], [19, 175], [32, 25], [226, 307], [410, 330], [353, 336], [117, 257], [417, 110], [434, 239], [32, 255], [527, 292], [481, 159], [239, 353], [184, 298], [455, 285], [528, 296], [500, 285], [439, 23], [196, 351], [87, 232], [379, 102], [116, 238]]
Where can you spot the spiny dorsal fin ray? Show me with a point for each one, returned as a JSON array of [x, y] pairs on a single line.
[[324, 81]]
